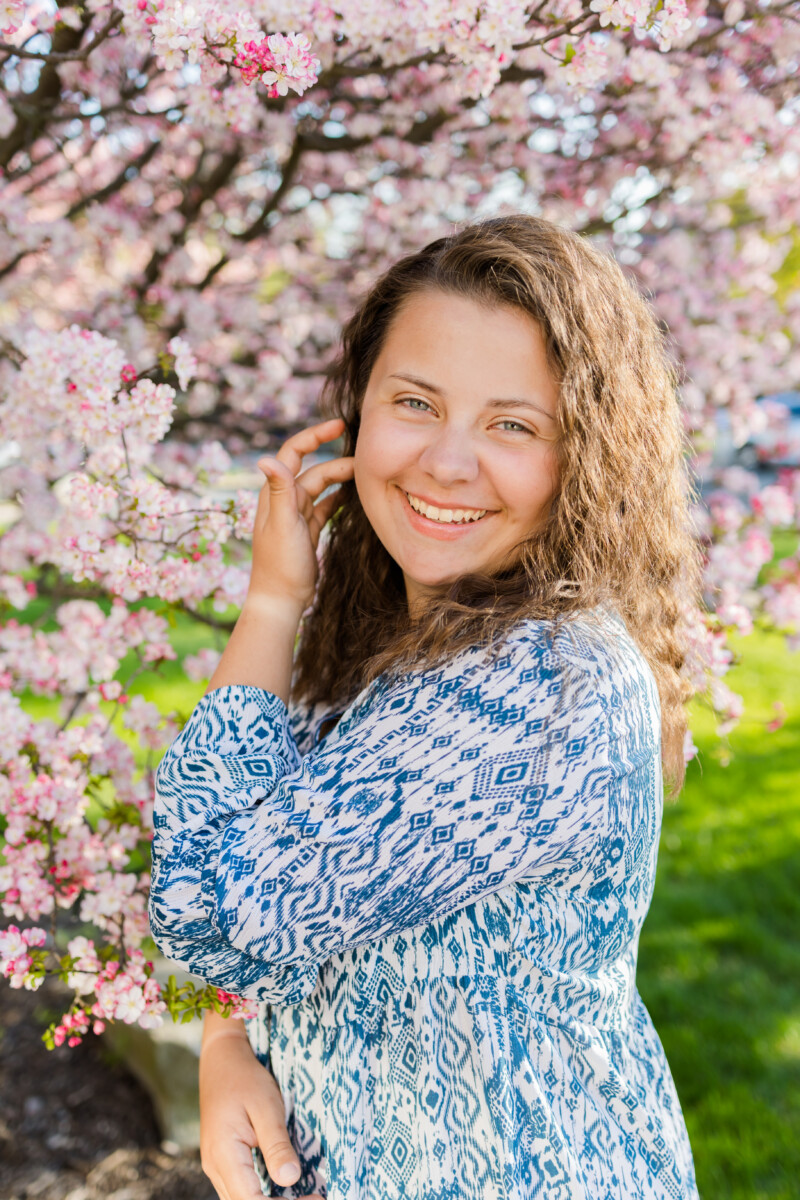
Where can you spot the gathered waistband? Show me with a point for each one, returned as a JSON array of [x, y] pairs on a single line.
[[360, 986]]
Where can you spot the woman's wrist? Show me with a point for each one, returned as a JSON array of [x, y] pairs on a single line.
[[264, 606], [217, 1028], [260, 649]]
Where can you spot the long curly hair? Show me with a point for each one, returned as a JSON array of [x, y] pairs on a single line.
[[618, 529]]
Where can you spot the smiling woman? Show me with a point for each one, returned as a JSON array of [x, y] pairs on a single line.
[[426, 841], [507, 311], [478, 436]]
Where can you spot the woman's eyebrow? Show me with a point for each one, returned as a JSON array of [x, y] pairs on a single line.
[[510, 402]]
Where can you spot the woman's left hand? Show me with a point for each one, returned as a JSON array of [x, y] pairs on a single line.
[[241, 1108], [288, 521]]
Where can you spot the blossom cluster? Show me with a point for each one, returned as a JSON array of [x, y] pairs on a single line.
[[480, 37], [120, 523], [105, 988], [279, 62], [18, 955], [76, 805], [200, 33]]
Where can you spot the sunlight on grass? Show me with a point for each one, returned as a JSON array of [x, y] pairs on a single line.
[[719, 966]]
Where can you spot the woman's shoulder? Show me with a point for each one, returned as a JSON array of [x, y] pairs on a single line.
[[589, 655], [594, 653], [594, 642]]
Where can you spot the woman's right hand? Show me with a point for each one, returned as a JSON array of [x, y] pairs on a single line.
[[241, 1107]]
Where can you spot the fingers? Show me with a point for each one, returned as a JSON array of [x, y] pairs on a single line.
[[278, 477], [269, 1123], [231, 1171], [307, 441], [290, 495], [279, 491], [322, 512], [316, 479]]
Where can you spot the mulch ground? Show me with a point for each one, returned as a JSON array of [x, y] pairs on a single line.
[[74, 1125]]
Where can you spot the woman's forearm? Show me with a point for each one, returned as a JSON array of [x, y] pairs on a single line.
[[261, 648]]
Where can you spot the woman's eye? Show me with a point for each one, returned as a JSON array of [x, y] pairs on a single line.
[[523, 428], [508, 421], [413, 400]]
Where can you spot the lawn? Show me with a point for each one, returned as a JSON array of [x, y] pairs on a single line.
[[719, 965]]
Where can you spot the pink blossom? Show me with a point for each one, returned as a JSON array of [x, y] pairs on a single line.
[[737, 616], [587, 66], [782, 604], [185, 361], [241, 1009], [280, 62], [779, 719], [727, 704], [727, 511], [15, 961], [775, 505], [11, 13], [673, 21], [145, 719], [201, 665]]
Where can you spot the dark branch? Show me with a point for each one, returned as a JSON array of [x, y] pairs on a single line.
[[55, 56], [34, 112], [196, 194], [118, 182], [214, 622]]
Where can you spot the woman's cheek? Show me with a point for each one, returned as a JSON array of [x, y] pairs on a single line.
[[383, 448]]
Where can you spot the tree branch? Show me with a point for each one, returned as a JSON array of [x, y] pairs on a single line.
[[33, 113], [194, 199], [119, 180], [213, 622], [54, 56]]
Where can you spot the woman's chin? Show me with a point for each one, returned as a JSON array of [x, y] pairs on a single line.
[[431, 582]]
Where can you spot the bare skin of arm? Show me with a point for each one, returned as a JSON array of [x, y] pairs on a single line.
[[241, 1106]]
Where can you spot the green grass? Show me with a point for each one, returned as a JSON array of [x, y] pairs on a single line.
[[719, 966]]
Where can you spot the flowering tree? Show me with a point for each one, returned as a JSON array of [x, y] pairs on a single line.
[[194, 195]]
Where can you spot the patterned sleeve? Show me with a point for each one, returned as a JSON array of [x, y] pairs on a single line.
[[431, 793]]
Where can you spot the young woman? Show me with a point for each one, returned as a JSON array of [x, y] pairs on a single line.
[[426, 841]]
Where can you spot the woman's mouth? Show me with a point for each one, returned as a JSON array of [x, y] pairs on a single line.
[[446, 524]]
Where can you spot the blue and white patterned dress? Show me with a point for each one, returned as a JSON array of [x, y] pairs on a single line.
[[439, 907]]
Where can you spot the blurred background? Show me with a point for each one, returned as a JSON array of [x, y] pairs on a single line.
[[190, 210]]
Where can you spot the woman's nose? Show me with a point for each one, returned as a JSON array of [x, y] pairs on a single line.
[[450, 456]]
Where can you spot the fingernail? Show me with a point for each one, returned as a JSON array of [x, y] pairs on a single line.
[[288, 1173]]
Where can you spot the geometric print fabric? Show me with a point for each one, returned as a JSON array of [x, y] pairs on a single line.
[[438, 908]]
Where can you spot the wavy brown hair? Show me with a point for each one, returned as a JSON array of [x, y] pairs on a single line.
[[618, 526]]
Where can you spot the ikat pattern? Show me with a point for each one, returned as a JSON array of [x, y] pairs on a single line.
[[438, 906]]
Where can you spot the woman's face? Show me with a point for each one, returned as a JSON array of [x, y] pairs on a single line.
[[460, 414]]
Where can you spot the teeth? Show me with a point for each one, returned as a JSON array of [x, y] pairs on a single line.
[[446, 515]]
